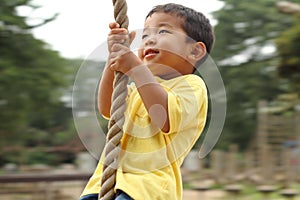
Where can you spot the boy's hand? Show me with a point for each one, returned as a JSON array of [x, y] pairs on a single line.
[[121, 58], [117, 35]]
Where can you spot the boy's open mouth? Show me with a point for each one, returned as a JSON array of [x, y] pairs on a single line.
[[150, 52]]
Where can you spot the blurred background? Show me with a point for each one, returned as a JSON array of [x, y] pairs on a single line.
[[257, 50]]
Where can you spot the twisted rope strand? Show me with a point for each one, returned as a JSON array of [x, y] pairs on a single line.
[[115, 132]]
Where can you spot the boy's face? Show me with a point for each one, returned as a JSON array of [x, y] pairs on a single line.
[[164, 46]]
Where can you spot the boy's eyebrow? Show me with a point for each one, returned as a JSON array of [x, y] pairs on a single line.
[[162, 24]]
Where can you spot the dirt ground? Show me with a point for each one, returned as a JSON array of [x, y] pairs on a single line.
[[72, 190]]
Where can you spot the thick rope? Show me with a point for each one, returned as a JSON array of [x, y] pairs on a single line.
[[115, 132]]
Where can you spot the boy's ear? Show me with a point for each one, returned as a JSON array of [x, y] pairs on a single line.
[[197, 51]]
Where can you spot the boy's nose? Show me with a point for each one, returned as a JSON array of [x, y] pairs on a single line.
[[151, 40]]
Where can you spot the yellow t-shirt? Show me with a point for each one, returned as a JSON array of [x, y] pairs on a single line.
[[150, 160]]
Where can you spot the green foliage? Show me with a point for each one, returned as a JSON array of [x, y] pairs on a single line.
[[245, 33], [29, 72], [289, 50], [244, 24], [33, 80], [37, 157], [8, 14]]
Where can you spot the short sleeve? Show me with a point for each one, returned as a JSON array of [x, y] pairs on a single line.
[[187, 103]]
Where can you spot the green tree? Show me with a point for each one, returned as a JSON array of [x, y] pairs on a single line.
[[32, 81], [246, 54], [288, 44]]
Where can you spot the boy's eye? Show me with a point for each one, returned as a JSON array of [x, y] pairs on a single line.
[[144, 36], [163, 31]]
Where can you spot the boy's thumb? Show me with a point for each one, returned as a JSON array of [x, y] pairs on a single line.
[[131, 36]]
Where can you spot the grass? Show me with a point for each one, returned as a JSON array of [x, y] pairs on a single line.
[[250, 192]]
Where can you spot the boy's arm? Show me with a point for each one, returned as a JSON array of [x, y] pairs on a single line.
[[105, 91], [115, 36], [153, 95]]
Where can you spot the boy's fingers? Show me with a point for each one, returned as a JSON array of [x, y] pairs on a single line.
[[116, 39], [116, 47], [132, 36], [114, 25], [118, 31], [115, 29]]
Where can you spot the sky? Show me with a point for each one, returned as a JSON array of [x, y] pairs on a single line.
[[83, 24]]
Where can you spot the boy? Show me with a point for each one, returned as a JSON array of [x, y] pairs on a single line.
[[166, 103]]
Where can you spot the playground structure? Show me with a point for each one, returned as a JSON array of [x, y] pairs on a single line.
[[272, 161]]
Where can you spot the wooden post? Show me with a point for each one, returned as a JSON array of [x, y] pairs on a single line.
[[288, 174], [249, 164], [266, 172], [267, 166], [297, 153], [231, 163], [262, 123], [262, 133], [217, 164], [233, 189]]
